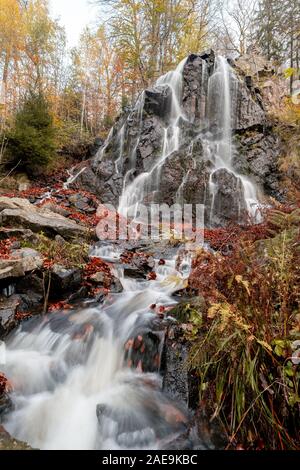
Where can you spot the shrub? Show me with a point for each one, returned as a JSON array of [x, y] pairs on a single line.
[[31, 140]]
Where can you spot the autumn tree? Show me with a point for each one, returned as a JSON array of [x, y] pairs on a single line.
[[291, 34], [151, 36], [278, 33], [93, 92], [32, 54], [237, 25], [12, 33]]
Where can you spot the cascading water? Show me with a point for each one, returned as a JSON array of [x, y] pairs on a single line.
[[119, 162], [66, 367], [134, 193], [222, 86], [216, 118], [73, 177], [102, 150]]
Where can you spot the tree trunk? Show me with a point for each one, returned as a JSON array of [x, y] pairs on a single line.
[[83, 109], [292, 58], [4, 90]]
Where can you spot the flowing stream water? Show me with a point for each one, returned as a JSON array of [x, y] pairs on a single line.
[[70, 366]]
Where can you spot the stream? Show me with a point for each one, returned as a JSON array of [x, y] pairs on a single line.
[[75, 386]]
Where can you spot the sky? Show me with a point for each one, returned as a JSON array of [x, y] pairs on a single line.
[[74, 15]]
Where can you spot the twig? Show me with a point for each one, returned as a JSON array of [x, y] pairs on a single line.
[[46, 293], [10, 172]]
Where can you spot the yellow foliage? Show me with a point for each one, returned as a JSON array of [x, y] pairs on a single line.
[[239, 279]]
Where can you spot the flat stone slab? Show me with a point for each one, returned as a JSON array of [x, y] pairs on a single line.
[[23, 261], [17, 212]]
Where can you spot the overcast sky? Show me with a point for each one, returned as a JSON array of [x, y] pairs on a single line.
[[74, 15]]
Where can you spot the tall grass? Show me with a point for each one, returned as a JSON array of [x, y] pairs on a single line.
[[247, 355]]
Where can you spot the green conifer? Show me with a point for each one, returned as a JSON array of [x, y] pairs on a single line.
[[31, 143]]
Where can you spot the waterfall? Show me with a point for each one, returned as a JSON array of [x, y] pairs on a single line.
[[134, 193], [73, 177], [171, 139], [119, 162], [217, 111], [221, 88], [75, 386], [103, 149]]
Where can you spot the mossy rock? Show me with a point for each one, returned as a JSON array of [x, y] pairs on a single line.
[[9, 443], [189, 312]]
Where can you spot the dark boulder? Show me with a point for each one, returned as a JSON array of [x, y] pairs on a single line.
[[228, 198], [158, 101], [178, 381], [64, 280], [8, 311]]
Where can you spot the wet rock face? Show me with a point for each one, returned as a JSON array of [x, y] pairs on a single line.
[[158, 102], [249, 108], [135, 144], [258, 155], [195, 86], [228, 199], [192, 174]]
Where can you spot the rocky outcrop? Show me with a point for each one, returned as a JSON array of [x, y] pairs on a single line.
[[17, 212], [8, 311], [22, 262], [25, 234], [7, 442], [257, 156], [228, 202], [135, 143]]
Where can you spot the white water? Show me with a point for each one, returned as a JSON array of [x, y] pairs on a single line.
[[223, 83], [73, 177], [216, 113], [64, 365], [134, 192], [102, 150], [119, 161]]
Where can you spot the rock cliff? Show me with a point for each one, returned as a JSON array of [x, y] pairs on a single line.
[[224, 149]]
